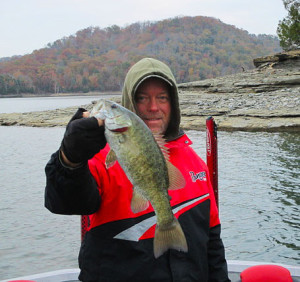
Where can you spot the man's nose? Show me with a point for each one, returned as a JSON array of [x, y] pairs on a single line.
[[153, 105]]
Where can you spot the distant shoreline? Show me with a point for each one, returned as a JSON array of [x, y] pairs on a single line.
[[244, 120]]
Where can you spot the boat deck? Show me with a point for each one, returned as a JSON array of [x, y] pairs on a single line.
[[71, 275]]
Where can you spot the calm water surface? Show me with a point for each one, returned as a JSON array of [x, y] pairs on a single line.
[[259, 200], [31, 104], [259, 195]]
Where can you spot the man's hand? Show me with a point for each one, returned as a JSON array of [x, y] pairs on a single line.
[[84, 137]]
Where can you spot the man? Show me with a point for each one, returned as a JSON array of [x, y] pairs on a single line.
[[79, 183]]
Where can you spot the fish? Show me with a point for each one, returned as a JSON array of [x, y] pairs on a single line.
[[145, 161]]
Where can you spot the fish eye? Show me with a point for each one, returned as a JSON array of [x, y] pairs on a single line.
[[113, 106]]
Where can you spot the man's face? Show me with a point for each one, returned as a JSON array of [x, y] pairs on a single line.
[[153, 104]]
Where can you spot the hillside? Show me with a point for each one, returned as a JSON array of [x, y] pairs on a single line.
[[97, 59]]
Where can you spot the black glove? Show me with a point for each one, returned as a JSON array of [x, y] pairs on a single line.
[[83, 138]]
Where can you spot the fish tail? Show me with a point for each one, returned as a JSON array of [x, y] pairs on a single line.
[[169, 237]]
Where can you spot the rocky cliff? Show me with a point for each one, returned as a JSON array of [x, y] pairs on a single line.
[[264, 99]]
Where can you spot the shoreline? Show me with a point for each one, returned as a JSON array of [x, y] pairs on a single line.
[[275, 111], [190, 120]]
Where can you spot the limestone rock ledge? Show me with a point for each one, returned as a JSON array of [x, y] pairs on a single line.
[[264, 99]]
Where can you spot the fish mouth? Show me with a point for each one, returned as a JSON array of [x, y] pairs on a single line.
[[113, 125], [120, 130]]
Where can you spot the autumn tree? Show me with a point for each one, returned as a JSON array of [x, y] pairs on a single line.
[[288, 29]]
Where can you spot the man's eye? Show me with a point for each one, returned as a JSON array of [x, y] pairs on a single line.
[[163, 98], [140, 98]]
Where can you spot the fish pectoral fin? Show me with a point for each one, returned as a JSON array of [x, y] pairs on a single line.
[[111, 159], [176, 179], [169, 237], [138, 202]]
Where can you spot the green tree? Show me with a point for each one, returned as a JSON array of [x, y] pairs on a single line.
[[288, 29]]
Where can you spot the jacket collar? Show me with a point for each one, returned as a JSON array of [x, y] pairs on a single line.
[[182, 140]]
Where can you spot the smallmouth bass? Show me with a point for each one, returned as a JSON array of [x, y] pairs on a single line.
[[145, 160]]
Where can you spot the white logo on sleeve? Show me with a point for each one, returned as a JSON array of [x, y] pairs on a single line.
[[201, 176]]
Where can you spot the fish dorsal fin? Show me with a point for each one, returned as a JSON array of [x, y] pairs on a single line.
[[111, 159], [160, 140], [176, 179]]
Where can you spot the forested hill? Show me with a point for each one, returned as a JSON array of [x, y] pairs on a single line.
[[96, 59]]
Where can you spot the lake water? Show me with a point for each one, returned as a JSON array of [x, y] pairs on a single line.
[[259, 199], [31, 104]]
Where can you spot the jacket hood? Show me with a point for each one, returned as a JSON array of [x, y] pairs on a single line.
[[139, 72]]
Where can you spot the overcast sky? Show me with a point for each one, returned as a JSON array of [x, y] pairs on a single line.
[[27, 25]]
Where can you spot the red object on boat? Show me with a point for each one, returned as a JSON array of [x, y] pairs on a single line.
[[266, 273], [212, 155]]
